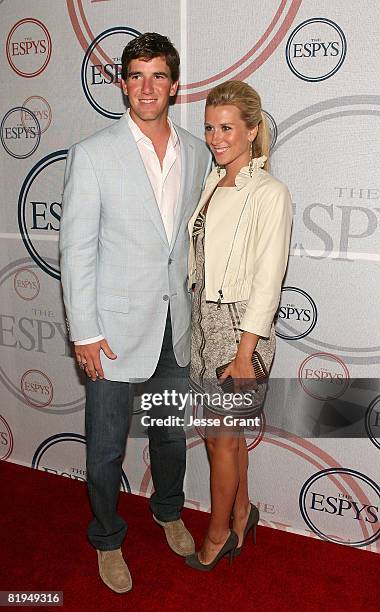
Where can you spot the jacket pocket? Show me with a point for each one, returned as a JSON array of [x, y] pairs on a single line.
[[115, 303]]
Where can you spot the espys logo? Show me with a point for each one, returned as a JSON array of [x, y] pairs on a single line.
[[336, 221], [6, 440], [40, 109], [272, 128], [37, 388], [26, 284], [39, 211], [56, 452], [372, 422], [278, 447], [316, 49], [323, 376], [342, 501], [20, 132], [33, 331], [297, 314], [28, 47], [270, 28], [99, 77], [146, 455]]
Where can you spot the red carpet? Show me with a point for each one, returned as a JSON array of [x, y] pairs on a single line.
[[44, 547]]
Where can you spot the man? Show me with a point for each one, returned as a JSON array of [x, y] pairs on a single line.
[[130, 190]]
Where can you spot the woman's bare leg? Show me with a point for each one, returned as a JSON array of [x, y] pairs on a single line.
[[242, 506], [223, 451]]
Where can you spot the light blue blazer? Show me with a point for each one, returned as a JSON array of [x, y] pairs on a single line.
[[119, 273]]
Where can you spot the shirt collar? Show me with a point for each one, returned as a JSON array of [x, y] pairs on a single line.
[[139, 135]]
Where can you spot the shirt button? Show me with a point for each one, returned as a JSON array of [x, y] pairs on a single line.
[[170, 261], [165, 298]]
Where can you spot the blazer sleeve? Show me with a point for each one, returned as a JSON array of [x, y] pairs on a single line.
[[79, 234], [208, 169], [271, 258]]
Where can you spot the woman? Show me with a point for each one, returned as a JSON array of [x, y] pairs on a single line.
[[240, 236]]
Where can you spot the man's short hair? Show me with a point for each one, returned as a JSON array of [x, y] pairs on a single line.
[[146, 47]]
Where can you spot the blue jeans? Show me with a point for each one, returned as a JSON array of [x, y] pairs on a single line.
[[108, 413]]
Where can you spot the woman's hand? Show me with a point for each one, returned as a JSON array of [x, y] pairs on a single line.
[[241, 368], [242, 372]]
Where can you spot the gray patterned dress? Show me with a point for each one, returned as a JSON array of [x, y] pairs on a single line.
[[216, 336]]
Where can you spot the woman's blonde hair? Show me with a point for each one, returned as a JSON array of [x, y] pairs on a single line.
[[248, 101]]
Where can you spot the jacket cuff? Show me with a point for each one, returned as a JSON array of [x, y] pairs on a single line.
[[80, 329], [88, 340], [259, 325]]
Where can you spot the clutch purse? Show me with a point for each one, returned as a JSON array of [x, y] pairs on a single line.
[[261, 372]]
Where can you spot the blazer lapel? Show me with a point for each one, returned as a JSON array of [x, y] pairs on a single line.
[[212, 180], [187, 171], [128, 155]]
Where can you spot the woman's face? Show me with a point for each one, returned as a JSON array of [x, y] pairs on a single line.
[[228, 136]]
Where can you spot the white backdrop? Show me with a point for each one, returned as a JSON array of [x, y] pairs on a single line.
[[314, 462]]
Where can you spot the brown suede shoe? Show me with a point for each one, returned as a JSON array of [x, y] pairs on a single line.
[[114, 571], [178, 537]]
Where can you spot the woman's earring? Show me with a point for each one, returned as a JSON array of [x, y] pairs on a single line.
[[250, 165]]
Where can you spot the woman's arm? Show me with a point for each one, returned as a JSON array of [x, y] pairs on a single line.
[[271, 257], [272, 251]]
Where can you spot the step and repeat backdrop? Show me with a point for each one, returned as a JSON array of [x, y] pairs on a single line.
[[315, 457]]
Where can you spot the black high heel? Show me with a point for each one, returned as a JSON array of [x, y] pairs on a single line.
[[253, 519], [229, 548]]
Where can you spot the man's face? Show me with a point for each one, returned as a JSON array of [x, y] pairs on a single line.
[[149, 87]]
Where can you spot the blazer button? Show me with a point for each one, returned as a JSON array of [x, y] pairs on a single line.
[[165, 298]]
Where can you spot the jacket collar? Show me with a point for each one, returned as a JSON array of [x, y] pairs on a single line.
[[127, 153], [246, 174]]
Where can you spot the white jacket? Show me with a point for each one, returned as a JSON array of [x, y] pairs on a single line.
[[247, 239]]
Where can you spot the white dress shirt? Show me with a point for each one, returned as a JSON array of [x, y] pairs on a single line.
[[165, 181]]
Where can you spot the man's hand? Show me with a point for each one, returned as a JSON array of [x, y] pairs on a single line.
[[88, 357]]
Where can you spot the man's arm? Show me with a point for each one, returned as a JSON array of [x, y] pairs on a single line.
[[79, 234], [208, 170]]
